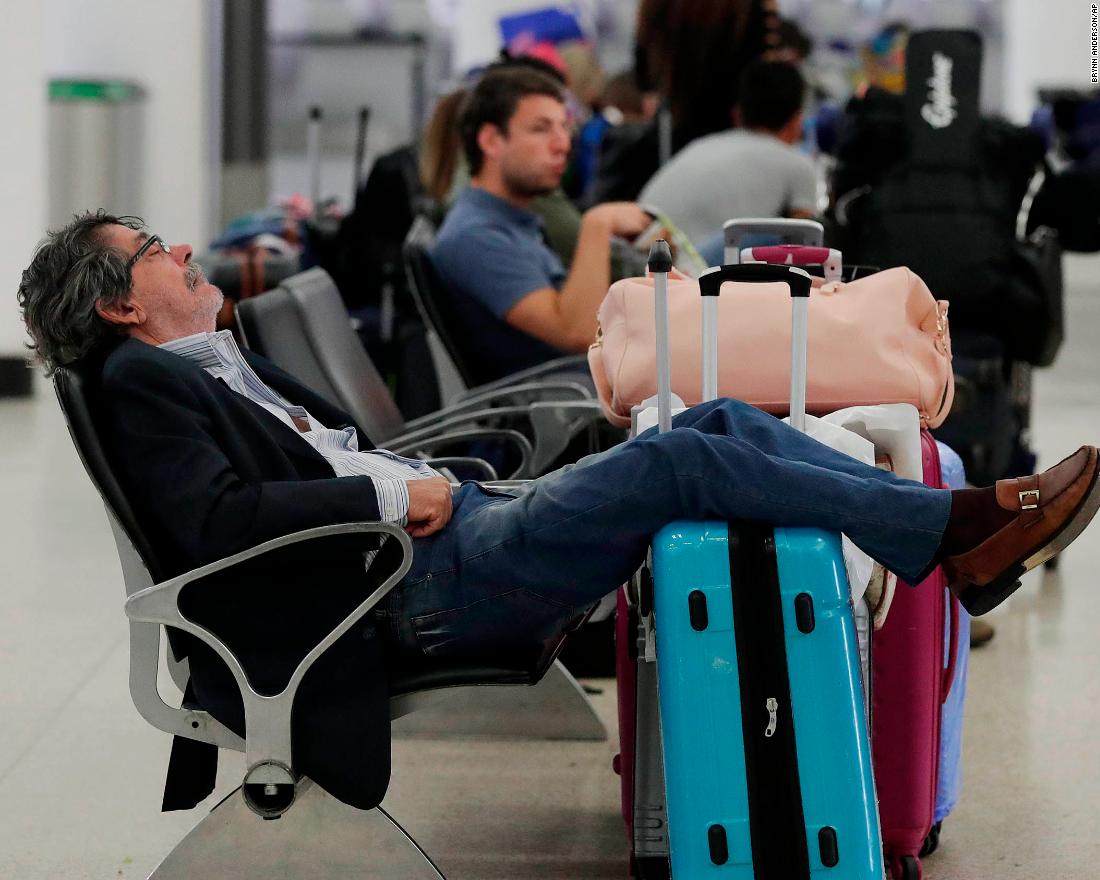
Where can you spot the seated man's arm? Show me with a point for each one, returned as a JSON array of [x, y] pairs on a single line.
[[176, 472], [566, 318]]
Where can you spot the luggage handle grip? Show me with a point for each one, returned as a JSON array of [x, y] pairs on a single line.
[[799, 282], [797, 255], [789, 254], [660, 257], [737, 230]]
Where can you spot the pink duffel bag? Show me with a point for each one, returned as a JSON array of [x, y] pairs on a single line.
[[879, 339]]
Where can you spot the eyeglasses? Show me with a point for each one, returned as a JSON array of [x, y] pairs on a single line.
[[148, 243]]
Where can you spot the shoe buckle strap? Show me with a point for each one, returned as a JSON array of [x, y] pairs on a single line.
[[1029, 499]]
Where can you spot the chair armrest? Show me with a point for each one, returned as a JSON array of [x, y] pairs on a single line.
[[524, 393], [487, 473], [572, 363], [423, 442], [267, 718], [553, 424], [556, 423]]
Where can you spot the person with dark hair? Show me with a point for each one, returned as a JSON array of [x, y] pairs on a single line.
[[622, 103], [516, 137], [750, 171], [218, 451], [441, 147], [692, 53], [80, 277], [695, 52]]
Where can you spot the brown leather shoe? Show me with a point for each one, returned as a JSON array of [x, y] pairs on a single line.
[[1052, 509]]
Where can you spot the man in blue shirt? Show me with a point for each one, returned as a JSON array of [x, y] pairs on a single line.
[[517, 303]]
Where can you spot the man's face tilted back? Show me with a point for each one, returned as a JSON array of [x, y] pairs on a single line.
[[529, 157], [170, 297]]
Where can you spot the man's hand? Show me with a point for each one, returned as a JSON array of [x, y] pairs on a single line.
[[429, 506], [625, 219]]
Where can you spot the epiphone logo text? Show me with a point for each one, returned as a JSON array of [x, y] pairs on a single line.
[[940, 111]]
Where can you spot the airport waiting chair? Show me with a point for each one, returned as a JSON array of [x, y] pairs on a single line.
[[452, 327], [317, 836], [303, 327]]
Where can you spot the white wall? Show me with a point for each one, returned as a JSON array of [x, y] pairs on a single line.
[[22, 158], [163, 47], [1046, 44]]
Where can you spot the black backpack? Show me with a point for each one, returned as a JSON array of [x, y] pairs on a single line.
[[366, 255], [924, 181]]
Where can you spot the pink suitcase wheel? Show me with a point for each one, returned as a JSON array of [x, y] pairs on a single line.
[[906, 868]]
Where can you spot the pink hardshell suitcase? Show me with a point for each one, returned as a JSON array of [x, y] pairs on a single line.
[[910, 686], [639, 762]]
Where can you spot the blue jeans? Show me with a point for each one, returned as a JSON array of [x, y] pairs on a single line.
[[509, 568]]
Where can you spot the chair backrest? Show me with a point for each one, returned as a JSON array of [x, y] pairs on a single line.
[[482, 347], [77, 389], [425, 286], [303, 327], [271, 326]]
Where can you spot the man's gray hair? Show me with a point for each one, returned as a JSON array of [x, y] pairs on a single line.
[[74, 268]]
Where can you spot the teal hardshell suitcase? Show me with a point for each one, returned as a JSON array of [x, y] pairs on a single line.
[[764, 729]]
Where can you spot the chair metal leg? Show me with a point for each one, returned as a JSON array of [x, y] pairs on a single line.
[[317, 838], [555, 708]]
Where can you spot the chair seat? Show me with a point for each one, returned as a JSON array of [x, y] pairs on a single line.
[[427, 679], [411, 675]]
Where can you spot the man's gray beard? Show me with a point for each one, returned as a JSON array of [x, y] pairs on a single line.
[[194, 275], [220, 301]]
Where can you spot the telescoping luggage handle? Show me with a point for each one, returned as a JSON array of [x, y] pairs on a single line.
[[660, 264], [797, 255], [799, 282], [740, 229]]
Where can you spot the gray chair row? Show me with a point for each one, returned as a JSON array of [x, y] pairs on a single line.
[[303, 327]]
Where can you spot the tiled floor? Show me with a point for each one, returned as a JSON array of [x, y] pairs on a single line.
[[80, 772]]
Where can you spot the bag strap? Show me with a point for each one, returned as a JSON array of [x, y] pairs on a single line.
[[1024, 214]]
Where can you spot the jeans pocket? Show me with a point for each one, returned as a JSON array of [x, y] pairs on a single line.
[[513, 624]]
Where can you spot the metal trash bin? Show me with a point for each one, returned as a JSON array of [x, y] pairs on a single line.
[[95, 132]]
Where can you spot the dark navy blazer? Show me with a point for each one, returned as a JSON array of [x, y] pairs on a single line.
[[209, 473]]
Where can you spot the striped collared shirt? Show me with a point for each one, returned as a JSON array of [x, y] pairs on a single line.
[[217, 353]]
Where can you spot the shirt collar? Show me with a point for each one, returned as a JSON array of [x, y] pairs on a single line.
[[209, 350], [486, 201]]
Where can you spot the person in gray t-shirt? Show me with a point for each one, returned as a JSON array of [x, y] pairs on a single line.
[[751, 171]]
